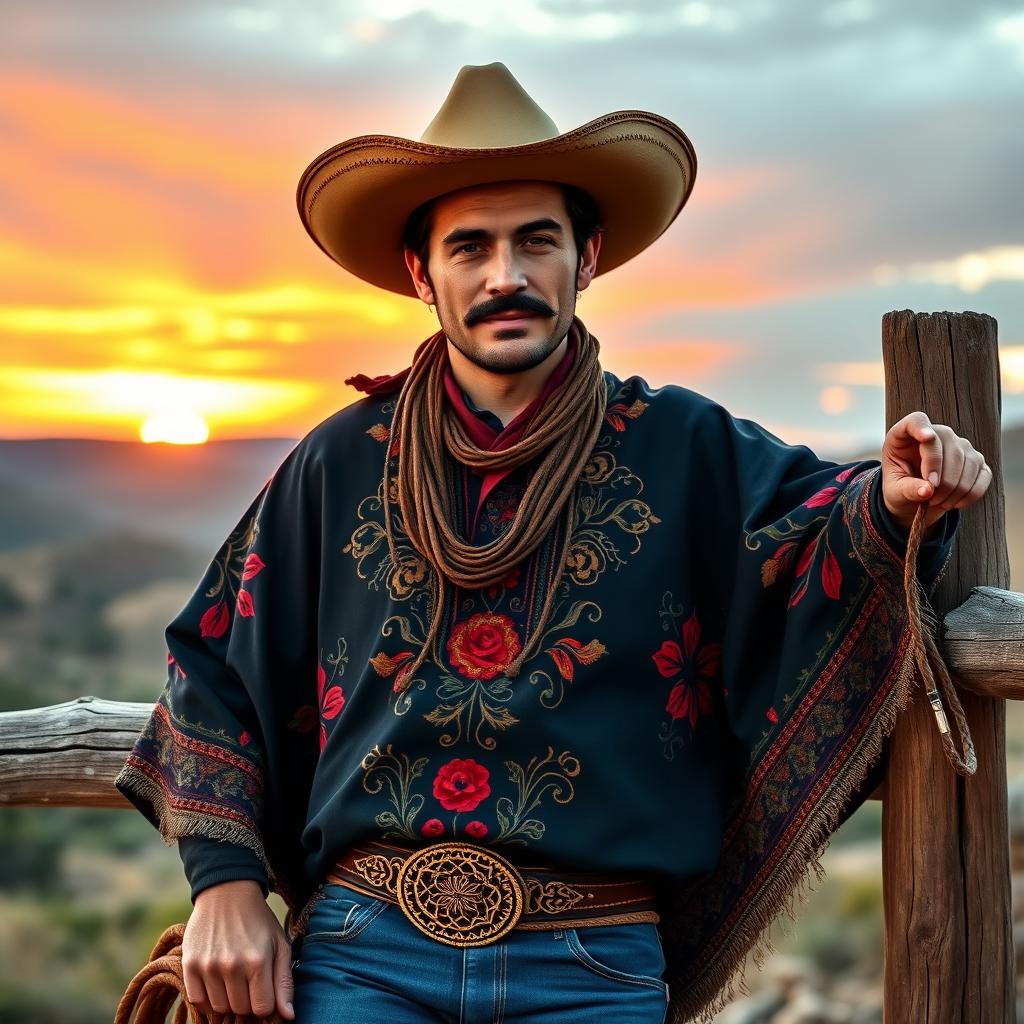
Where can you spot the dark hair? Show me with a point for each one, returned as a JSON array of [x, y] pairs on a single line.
[[579, 204]]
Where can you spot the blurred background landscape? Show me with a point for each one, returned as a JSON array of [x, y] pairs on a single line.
[[167, 331]]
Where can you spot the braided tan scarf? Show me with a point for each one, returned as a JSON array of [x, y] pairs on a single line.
[[429, 436]]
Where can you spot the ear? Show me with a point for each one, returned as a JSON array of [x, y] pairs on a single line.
[[419, 277], [588, 261]]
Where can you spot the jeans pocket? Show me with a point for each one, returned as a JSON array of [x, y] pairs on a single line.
[[628, 953], [341, 914]]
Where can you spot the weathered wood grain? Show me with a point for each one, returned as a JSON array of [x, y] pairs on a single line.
[[67, 755], [984, 643], [945, 853]]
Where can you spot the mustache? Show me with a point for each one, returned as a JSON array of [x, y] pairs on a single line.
[[507, 304]]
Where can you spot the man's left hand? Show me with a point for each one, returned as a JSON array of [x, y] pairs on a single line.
[[928, 462]]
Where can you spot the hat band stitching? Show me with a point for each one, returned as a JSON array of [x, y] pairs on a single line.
[[445, 151], [407, 161]]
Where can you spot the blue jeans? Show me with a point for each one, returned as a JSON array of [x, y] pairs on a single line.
[[363, 962]]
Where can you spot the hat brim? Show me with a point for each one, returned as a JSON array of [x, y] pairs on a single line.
[[355, 198]]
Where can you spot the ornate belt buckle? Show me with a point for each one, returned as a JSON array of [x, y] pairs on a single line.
[[460, 894]]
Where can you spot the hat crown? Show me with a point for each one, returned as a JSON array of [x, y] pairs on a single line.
[[486, 108]]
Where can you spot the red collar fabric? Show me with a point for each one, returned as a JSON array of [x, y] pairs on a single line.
[[482, 434], [486, 437]]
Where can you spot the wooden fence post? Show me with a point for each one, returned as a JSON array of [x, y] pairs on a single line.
[[945, 850]]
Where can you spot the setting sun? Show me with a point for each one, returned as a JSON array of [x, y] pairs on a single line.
[[175, 426]]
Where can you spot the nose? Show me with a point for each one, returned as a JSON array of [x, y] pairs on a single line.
[[504, 274]]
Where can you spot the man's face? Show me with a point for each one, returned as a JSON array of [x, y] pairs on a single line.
[[503, 272]]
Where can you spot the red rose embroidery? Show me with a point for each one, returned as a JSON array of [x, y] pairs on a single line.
[[773, 716], [433, 827], [461, 784], [244, 738], [483, 646], [215, 620], [244, 604], [476, 829], [323, 737]]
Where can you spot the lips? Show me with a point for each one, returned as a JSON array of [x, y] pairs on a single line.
[[510, 315]]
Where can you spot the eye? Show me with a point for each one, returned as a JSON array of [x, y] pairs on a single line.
[[540, 238], [465, 245]]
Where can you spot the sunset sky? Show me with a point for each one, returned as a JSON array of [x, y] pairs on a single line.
[[853, 157]]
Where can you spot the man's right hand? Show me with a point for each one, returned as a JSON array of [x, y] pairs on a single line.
[[235, 956]]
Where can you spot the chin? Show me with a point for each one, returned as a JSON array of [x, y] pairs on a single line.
[[505, 351], [509, 363]]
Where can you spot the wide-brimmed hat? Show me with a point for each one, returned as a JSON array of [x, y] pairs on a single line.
[[355, 198]]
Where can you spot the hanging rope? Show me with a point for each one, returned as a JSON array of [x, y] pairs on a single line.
[[924, 629]]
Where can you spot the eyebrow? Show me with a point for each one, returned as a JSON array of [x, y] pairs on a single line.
[[481, 234]]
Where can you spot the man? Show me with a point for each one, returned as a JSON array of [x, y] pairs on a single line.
[[533, 691]]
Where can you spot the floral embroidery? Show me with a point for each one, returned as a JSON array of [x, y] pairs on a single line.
[[500, 509], [567, 648], [396, 773], [461, 785], [693, 666], [461, 697], [564, 650], [405, 579], [379, 432], [330, 699], [253, 565], [385, 665], [215, 620], [234, 563], [805, 549], [483, 646], [612, 497], [467, 669], [617, 413], [532, 782]]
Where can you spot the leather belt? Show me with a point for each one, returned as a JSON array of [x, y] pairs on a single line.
[[464, 894]]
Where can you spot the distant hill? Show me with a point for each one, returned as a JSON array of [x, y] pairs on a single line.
[[59, 489]]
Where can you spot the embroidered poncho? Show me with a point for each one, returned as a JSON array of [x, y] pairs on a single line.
[[727, 653]]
